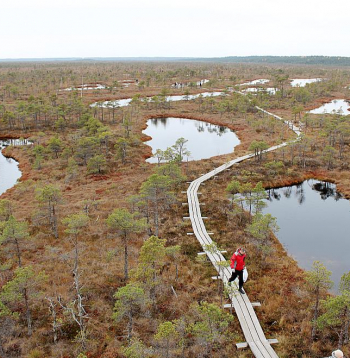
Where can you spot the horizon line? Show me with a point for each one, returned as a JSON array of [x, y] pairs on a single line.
[[157, 57]]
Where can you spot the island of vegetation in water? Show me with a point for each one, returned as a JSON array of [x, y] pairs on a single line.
[[95, 256]]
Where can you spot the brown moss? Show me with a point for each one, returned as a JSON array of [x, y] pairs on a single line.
[[279, 286]]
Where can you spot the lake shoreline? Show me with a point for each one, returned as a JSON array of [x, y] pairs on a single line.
[[312, 216], [315, 174], [21, 162], [145, 138]]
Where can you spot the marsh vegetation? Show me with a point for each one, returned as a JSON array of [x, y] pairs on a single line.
[[94, 254]]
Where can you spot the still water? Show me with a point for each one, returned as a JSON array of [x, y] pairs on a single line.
[[314, 223], [9, 172], [126, 102], [86, 87], [205, 140], [302, 82], [269, 90], [260, 81], [336, 106]]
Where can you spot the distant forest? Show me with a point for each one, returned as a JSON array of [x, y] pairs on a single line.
[[293, 60], [297, 60]]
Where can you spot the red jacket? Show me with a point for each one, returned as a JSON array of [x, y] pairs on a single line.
[[238, 261]]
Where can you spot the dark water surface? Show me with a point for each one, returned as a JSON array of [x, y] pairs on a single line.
[[314, 223], [205, 140], [9, 172]]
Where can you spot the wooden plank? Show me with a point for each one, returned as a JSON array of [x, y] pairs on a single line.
[[251, 327], [256, 349], [260, 339], [261, 349], [228, 305], [241, 318], [257, 326], [241, 345], [256, 340]]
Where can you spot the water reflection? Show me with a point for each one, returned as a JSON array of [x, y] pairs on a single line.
[[314, 221], [327, 190], [340, 106], [156, 121], [205, 140], [273, 194]]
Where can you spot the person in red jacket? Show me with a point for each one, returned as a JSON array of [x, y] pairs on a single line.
[[237, 266]]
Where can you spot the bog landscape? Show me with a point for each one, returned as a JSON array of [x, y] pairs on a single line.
[[127, 185]]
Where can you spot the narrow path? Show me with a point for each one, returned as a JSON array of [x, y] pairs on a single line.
[[254, 335]]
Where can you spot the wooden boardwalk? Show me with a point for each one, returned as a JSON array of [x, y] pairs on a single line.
[[254, 335]]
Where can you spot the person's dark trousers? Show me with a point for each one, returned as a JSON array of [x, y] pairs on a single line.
[[238, 273]]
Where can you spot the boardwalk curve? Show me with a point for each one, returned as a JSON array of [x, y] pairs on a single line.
[[254, 335]]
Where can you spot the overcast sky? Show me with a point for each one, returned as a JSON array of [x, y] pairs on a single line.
[[178, 28]]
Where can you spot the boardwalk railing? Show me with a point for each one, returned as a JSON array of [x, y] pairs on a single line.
[[254, 335]]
